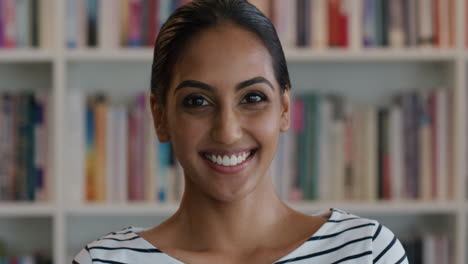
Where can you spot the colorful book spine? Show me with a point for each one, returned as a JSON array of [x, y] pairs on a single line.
[[72, 31], [92, 20], [2, 24], [124, 22], [23, 23], [9, 18], [100, 110], [163, 171], [153, 22], [135, 26], [34, 23], [369, 37], [90, 152], [79, 135]]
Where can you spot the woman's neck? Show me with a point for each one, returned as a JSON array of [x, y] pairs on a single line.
[[244, 224]]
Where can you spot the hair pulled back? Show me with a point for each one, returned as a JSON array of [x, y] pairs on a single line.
[[192, 18]]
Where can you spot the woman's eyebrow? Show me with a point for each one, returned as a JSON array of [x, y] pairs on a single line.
[[252, 82], [207, 87]]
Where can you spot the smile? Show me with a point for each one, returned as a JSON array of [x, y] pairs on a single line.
[[228, 160]]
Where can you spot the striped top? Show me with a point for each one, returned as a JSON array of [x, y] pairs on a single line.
[[344, 238]]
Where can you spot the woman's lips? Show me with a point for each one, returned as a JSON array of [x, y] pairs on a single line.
[[226, 164]]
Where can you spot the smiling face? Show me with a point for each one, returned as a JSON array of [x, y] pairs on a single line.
[[223, 113]]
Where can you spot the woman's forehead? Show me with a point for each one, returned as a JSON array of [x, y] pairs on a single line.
[[226, 53]]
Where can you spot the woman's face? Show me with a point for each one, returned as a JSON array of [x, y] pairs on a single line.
[[224, 112]]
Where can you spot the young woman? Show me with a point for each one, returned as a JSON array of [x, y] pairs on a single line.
[[221, 94]]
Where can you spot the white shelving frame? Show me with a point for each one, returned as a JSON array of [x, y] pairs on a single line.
[[59, 58]]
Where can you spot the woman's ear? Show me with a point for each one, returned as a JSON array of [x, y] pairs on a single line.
[[159, 119], [286, 110]]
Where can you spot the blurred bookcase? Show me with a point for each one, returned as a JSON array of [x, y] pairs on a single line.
[[364, 74]]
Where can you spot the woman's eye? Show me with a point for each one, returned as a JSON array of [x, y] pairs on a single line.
[[252, 98], [195, 101]]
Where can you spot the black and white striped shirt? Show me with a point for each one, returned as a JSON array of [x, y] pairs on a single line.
[[344, 238]]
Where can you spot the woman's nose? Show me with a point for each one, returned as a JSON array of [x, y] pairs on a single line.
[[226, 128]]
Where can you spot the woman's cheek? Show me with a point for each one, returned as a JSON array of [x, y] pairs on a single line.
[[265, 122]]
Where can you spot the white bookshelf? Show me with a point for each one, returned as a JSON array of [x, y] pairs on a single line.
[[368, 73]]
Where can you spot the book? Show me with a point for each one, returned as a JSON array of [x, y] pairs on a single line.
[[110, 155], [425, 37], [100, 114], [135, 26], [124, 22], [9, 19], [411, 23], [34, 23], [369, 34], [384, 161], [72, 24], [441, 142], [425, 150], [355, 25], [319, 20], [76, 144], [324, 184], [23, 23], [108, 21], [46, 23], [121, 152], [337, 147], [90, 167], [153, 22], [42, 115], [396, 34], [396, 152], [333, 9], [25, 182], [284, 19], [92, 20], [303, 23], [369, 182], [2, 26], [443, 24]]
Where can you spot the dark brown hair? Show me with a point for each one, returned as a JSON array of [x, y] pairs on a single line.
[[190, 19]]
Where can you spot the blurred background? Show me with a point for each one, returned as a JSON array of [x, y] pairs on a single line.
[[378, 120]]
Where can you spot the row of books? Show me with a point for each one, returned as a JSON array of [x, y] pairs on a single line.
[[120, 23], [26, 23], [337, 150], [36, 258], [362, 23], [24, 260], [431, 248], [24, 151], [114, 154]]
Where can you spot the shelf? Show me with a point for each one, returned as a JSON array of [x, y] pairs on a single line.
[[308, 207], [370, 55], [292, 55], [136, 54], [26, 55], [26, 209], [121, 209], [406, 207]]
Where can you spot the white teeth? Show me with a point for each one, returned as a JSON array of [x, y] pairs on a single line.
[[233, 160], [225, 160]]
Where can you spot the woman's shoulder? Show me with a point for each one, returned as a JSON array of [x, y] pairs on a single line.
[[115, 246], [346, 230]]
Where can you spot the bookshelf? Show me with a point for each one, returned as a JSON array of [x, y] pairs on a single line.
[[61, 227]]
